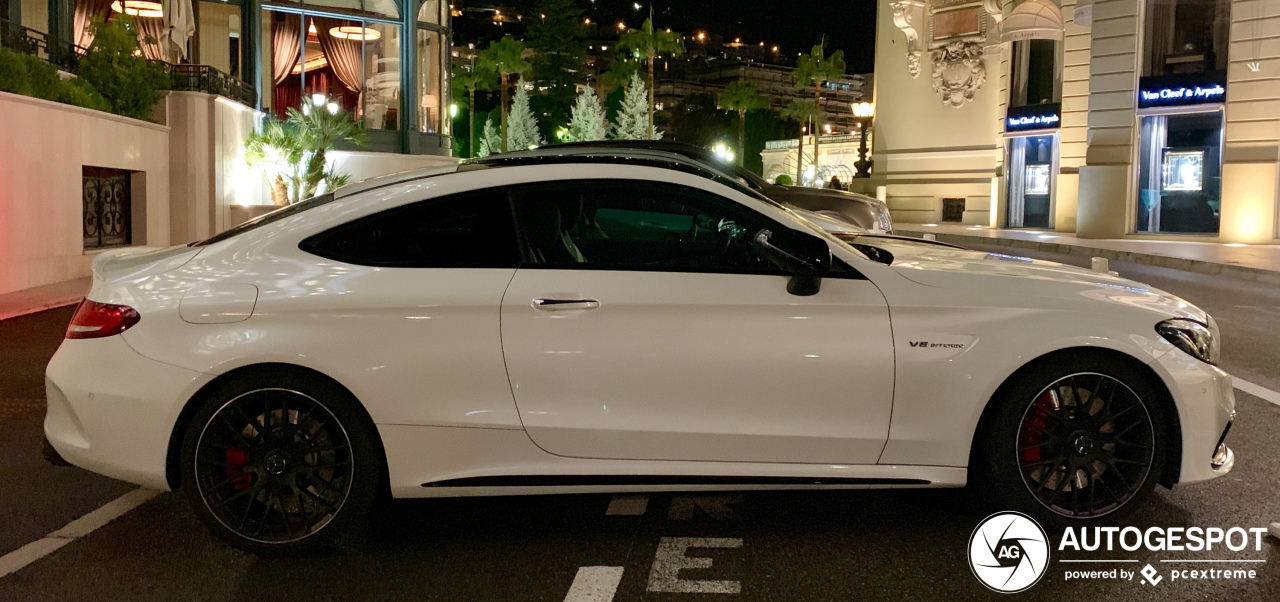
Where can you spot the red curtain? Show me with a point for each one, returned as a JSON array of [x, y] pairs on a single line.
[[343, 55], [86, 12], [286, 44], [287, 95]]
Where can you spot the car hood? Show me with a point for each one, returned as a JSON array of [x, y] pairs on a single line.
[[953, 268], [787, 191]]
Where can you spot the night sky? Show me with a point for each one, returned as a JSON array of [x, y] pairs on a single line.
[[794, 24]]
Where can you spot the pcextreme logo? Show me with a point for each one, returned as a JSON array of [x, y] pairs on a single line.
[[1009, 552]]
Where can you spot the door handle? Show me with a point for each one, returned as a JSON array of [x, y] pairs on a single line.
[[565, 304]]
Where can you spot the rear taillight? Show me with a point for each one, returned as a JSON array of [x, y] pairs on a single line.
[[94, 320]]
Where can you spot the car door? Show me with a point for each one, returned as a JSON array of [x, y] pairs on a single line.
[[642, 325], [408, 311]]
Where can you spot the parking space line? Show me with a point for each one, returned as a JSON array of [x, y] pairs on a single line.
[[1255, 390], [595, 584], [14, 561], [627, 505]]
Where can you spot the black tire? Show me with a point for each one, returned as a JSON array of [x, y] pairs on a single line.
[[1076, 438], [280, 463]]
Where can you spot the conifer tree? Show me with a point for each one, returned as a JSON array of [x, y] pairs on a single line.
[[490, 140], [633, 117], [522, 126], [588, 122]]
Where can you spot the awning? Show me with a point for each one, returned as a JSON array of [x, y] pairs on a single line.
[[1033, 20]]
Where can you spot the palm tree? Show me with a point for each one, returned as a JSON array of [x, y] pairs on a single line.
[[295, 150], [802, 111], [742, 96], [479, 76], [814, 69], [505, 57], [647, 44]]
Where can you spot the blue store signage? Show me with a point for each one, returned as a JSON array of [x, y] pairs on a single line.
[[1033, 117], [1182, 90]]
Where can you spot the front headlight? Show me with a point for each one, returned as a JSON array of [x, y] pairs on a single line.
[[1198, 340]]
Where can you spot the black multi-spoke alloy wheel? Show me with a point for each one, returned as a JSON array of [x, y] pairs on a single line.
[[280, 465], [1081, 437]]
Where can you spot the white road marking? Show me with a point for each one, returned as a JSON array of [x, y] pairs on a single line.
[[594, 584], [665, 574], [1255, 390], [627, 505], [715, 506], [14, 561]]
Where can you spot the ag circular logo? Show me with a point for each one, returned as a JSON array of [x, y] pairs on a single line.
[[1008, 552]]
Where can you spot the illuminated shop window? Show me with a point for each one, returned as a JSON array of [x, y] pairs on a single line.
[[1180, 173], [1032, 165]]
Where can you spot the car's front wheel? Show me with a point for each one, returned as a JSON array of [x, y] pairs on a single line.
[[280, 465], [1079, 438]]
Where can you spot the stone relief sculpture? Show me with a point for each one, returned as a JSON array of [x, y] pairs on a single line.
[[956, 33], [958, 72], [907, 15]]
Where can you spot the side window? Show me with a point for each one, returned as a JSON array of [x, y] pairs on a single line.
[[636, 225], [468, 230]]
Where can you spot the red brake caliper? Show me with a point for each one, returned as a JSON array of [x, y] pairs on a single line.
[[1033, 431], [236, 459]]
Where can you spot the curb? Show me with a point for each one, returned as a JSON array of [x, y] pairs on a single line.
[[39, 307], [1177, 263]]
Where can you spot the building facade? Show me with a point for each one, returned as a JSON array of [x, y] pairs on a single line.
[[79, 181], [1115, 118], [685, 78], [387, 61]]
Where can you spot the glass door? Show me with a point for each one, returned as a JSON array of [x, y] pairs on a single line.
[[1032, 171]]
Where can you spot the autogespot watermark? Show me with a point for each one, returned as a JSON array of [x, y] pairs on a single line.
[[1009, 553]]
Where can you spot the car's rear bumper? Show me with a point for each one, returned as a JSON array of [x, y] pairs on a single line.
[[1206, 406], [112, 411]]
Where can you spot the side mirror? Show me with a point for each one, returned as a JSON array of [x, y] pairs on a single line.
[[806, 257]]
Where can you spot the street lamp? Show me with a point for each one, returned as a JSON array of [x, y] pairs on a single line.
[[865, 112]]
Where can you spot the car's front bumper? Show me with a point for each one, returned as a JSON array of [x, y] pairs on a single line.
[[112, 411], [1206, 407]]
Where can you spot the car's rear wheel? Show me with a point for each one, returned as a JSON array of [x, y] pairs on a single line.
[[1080, 438], [279, 466]]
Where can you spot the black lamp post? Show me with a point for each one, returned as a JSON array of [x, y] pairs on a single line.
[[865, 112]]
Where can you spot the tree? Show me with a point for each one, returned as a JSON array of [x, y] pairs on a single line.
[[477, 76], [742, 96], [131, 84], [647, 44], [556, 37], [814, 69], [490, 141], [698, 120], [523, 126], [631, 122], [295, 150], [506, 57], [588, 122], [801, 111]]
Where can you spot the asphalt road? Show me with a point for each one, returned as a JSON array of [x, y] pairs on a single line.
[[765, 546]]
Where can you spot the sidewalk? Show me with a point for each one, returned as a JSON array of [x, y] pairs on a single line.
[[1260, 263], [41, 298]]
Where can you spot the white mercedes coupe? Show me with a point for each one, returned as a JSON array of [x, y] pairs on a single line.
[[616, 324]]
